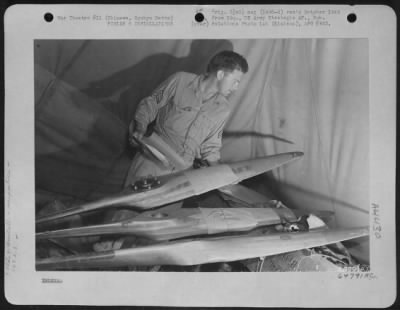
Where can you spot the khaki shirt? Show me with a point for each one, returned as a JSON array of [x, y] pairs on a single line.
[[190, 125]]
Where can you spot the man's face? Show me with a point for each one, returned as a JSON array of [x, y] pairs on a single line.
[[228, 82]]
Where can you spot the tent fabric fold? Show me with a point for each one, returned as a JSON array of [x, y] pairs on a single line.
[[80, 146]]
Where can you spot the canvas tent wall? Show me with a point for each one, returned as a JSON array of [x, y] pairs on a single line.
[[307, 95]]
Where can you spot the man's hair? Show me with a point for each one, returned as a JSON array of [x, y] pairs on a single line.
[[227, 61]]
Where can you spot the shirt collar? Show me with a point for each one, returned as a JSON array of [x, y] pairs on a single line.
[[195, 83]]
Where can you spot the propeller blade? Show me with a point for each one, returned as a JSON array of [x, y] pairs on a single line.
[[178, 186], [163, 225], [194, 252]]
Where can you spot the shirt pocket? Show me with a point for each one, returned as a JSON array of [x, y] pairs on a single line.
[[180, 118]]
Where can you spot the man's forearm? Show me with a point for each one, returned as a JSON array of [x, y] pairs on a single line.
[[145, 114]]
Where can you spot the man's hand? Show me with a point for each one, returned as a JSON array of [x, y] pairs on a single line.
[[200, 163], [136, 134]]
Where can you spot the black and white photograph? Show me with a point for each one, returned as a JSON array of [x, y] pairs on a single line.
[[239, 155], [201, 155]]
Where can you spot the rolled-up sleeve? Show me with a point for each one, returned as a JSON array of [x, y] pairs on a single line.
[[148, 108]]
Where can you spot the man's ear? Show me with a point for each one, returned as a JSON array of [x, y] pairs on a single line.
[[220, 74]]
